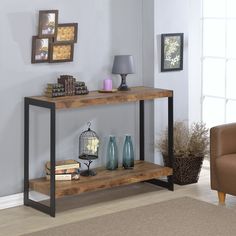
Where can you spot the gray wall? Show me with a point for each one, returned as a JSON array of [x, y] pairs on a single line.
[[148, 19], [106, 27], [178, 80], [195, 52], [172, 16], [185, 18]]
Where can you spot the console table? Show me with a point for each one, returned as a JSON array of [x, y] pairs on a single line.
[[143, 171]]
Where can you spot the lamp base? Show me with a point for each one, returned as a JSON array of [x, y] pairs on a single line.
[[123, 85]]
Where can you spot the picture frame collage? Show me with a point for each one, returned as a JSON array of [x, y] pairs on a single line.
[[54, 42]]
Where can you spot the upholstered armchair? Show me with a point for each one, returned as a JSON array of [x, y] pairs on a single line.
[[223, 160]]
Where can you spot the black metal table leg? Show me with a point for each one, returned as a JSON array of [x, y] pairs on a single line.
[[170, 139], [169, 183], [26, 151], [52, 161], [29, 202], [141, 130]]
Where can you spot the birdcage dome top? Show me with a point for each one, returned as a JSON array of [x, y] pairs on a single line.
[[88, 133]]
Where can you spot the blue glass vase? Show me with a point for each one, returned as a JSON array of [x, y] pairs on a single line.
[[112, 154], [128, 153]]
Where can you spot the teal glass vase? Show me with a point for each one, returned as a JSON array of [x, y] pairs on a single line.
[[128, 153], [112, 154]]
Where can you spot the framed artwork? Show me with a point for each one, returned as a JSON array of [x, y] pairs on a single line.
[[61, 52], [48, 21], [67, 33], [40, 49], [172, 52]]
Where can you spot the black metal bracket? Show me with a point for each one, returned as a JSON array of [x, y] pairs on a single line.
[[169, 184], [141, 131], [162, 183], [51, 210]]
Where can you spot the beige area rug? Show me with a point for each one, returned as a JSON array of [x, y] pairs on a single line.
[[178, 217]]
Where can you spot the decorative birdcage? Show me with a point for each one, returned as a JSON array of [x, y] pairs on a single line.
[[88, 149]]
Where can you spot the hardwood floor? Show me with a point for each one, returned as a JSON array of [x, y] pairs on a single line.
[[20, 220]]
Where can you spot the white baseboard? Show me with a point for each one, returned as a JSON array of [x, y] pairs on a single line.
[[17, 199], [11, 201]]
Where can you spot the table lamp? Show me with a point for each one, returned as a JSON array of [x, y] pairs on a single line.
[[123, 65]]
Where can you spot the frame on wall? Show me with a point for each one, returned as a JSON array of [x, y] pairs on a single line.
[[48, 21], [67, 33], [172, 52], [55, 42], [40, 49], [61, 52]]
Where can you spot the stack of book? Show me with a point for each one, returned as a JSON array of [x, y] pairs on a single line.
[[64, 170], [66, 86], [80, 88], [54, 90]]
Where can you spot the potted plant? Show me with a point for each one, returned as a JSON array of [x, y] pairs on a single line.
[[191, 145]]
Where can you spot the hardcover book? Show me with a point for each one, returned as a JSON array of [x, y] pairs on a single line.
[[81, 88], [55, 90], [79, 84], [66, 164], [54, 85], [65, 177], [65, 171], [53, 95], [81, 92]]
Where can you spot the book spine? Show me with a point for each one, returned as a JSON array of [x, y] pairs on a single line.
[[68, 86], [73, 86], [70, 81], [81, 88], [53, 95], [68, 166], [65, 177], [64, 163], [62, 80], [65, 171], [79, 83], [55, 86], [65, 85], [55, 90], [81, 92], [60, 177]]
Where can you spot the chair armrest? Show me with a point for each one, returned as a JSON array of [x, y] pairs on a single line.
[[222, 140]]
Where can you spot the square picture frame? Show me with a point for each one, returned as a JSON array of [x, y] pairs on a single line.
[[40, 49], [48, 21], [61, 52], [67, 33], [172, 52]]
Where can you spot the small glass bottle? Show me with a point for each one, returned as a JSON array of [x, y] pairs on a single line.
[[128, 153], [112, 154]]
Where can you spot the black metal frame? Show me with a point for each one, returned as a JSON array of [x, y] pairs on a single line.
[[169, 184], [51, 210]]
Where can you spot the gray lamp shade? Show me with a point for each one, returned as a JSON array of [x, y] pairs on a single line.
[[123, 64]]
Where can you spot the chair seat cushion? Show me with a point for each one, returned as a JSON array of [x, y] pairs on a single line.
[[226, 173]]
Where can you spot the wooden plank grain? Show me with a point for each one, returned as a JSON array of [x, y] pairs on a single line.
[[104, 179], [96, 98]]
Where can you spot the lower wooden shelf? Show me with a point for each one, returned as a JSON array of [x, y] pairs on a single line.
[[104, 179]]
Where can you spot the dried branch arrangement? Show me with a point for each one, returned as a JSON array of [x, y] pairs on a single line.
[[193, 141]]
